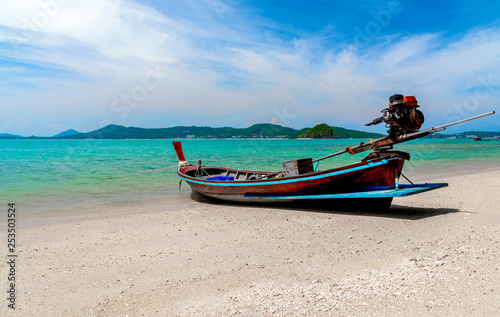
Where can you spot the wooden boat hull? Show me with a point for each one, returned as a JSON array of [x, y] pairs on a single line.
[[378, 171]]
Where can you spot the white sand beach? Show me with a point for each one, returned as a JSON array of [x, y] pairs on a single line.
[[433, 254]]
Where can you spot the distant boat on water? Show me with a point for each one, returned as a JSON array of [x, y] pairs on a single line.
[[478, 138]]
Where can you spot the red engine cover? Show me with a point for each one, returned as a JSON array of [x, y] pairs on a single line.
[[410, 101]]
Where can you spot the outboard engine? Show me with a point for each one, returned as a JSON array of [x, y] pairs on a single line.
[[401, 117]]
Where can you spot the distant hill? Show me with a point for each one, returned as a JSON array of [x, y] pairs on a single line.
[[483, 134], [299, 132], [463, 135], [354, 134], [9, 136], [261, 130], [67, 133], [320, 131]]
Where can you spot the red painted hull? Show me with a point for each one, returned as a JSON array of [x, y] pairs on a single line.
[[378, 170]]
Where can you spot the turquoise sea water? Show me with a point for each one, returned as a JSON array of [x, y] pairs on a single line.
[[43, 175]]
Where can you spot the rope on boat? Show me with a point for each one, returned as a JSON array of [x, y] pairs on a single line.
[[200, 171], [408, 179]]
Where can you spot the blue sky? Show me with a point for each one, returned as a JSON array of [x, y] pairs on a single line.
[[85, 64]]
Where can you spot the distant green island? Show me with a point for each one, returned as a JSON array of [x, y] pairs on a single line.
[[320, 131], [261, 130]]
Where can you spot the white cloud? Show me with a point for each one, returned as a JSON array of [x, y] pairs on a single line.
[[89, 53]]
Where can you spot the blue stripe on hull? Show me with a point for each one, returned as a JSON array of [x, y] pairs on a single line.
[[404, 190]]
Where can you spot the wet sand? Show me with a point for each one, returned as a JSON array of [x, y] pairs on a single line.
[[433, 254]]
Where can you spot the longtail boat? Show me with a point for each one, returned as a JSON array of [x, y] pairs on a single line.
[[375, 178]]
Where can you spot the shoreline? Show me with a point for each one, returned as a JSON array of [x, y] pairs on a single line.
[[416, 174]]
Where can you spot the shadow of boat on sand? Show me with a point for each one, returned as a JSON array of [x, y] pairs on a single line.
[[353, 207]]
